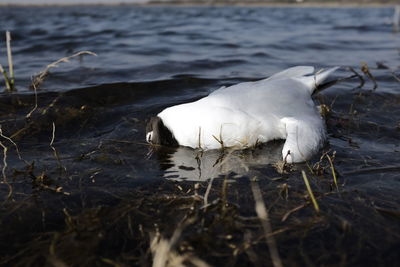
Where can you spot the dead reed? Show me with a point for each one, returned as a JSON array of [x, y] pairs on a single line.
[[9, 78], [39, 78], [10, 61]]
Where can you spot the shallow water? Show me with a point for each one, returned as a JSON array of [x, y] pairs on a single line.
[[153, 57]]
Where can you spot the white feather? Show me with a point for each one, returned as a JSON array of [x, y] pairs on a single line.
[[241, 115]]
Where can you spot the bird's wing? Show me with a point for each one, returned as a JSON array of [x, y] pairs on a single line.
[[318, 78], [293, 72], [204, 125], [303, 75]]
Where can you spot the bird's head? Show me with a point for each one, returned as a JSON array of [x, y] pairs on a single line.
[[158, 134]]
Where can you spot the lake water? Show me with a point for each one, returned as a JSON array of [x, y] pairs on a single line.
[[149, 58]]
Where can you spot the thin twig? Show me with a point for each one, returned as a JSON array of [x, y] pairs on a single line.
[[262, 214], [52, 104], [362, 81], [54, 149], [36, 102], [53, 136], [10, 190], [39, 78], [200, 138], [287, 214], [220, 140], [6, 79], [326, 85], [14, 144]]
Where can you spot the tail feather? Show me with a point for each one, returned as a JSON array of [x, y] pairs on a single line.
[[318, 78]]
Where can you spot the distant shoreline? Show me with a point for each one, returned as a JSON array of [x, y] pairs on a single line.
[[222, 3]]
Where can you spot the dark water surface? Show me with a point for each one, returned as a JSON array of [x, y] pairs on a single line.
[[102, 196]]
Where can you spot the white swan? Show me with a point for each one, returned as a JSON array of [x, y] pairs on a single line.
[[242, 115]]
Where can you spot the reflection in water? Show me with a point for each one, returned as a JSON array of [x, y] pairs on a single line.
[[194, 165]]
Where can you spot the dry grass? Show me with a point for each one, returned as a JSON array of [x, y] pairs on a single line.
[[4, 169], [164, 254], [6, 78], [56, 155], [39, 78], [262, 214], [9, 78], [310, 192], [366, 71]]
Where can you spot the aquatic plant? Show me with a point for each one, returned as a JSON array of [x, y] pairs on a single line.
[[8, 79]]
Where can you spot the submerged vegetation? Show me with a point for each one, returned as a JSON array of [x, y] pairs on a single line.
[[57, 210]]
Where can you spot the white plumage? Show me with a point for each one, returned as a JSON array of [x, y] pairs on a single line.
[[248, 113]]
